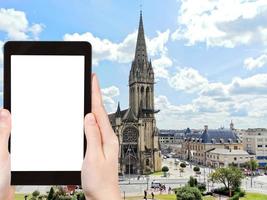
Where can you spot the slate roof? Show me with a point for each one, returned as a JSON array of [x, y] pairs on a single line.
[[214, 136], [112, 116]]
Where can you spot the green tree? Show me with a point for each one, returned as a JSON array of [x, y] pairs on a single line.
[[196, 169], [36, 193], [183, 165], [252, 165], [230, 177], [192, 181], [51, 194], [165, 169], [188, 193]]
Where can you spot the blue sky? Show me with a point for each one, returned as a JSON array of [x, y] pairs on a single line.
[[209, 57]]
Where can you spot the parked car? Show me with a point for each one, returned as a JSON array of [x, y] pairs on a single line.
[[155, 184]]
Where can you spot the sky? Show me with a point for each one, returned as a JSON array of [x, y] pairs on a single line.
[[209, 57]]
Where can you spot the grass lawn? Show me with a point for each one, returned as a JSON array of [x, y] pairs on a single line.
[[165, 197], [19, 197], [254, 196], [160, 173]]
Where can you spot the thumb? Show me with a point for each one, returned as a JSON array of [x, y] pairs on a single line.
[[5, 128], [93, 137]]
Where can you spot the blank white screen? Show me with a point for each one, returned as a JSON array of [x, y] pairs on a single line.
[[47, 110]]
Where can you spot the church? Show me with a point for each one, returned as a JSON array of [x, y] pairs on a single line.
[[136, 126]]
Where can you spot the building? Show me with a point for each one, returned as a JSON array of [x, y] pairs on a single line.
[[171, 136], [255, 142], [136, 126], [196, 145], [223, 157]]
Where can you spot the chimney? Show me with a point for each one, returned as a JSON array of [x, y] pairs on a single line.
[[206, 127]]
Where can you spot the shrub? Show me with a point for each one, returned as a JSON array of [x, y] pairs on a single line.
[[242, 193], [183, 165], [221, 190], [36, 193], [196, 169], [201, 187], [188, 193]]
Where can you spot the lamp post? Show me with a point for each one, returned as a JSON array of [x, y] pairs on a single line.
[[251, 174], [129, 168], [147, 181]]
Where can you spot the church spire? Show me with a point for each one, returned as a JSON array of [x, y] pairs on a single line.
[[140, 51], [118, 112]]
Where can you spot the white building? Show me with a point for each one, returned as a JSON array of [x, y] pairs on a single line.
[[255, 142]]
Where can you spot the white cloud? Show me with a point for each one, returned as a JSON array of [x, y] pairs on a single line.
[[16, 25], [242, 99], [256, 84], [161, 65], [252, 63], [188, 79], [1, 53], [123, 52], [222, 23], [157, 45], [108, 95]]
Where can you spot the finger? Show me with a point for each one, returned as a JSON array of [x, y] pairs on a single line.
[[98, 109], [109, 139], [93, 137], [5, 128]]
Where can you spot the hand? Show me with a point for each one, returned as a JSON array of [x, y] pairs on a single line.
[[100, 166], [6, 191]]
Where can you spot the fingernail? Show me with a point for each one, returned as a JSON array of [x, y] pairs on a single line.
[[90, 119]]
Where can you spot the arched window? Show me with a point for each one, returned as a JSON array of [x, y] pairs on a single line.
[[147, 97], [147, 162], [143, 95]]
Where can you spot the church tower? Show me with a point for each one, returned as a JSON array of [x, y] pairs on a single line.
[[141, 78], [136, 126]]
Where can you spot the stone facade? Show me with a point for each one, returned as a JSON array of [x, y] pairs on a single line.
[[196, 145], [136, 126]]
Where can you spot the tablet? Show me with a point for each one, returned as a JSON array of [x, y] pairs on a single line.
[[47, 89]]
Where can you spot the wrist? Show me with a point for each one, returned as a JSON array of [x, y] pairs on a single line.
[[105, 194]]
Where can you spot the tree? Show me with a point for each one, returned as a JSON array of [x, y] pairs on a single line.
[[183, 165], [230, 177], [188, 193], [192, 181], [51, 194], [196, 169], [252, 165], [165, 169]]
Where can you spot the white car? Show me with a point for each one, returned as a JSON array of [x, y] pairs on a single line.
[[155, 184]]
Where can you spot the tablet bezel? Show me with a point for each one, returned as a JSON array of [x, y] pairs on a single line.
[[47, 48]]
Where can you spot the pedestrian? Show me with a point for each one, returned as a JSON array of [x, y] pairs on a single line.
[[169, 190], [152, 194], [145, 194]]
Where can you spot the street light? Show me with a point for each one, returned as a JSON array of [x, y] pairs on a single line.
[[147, 181], [129, 170]]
